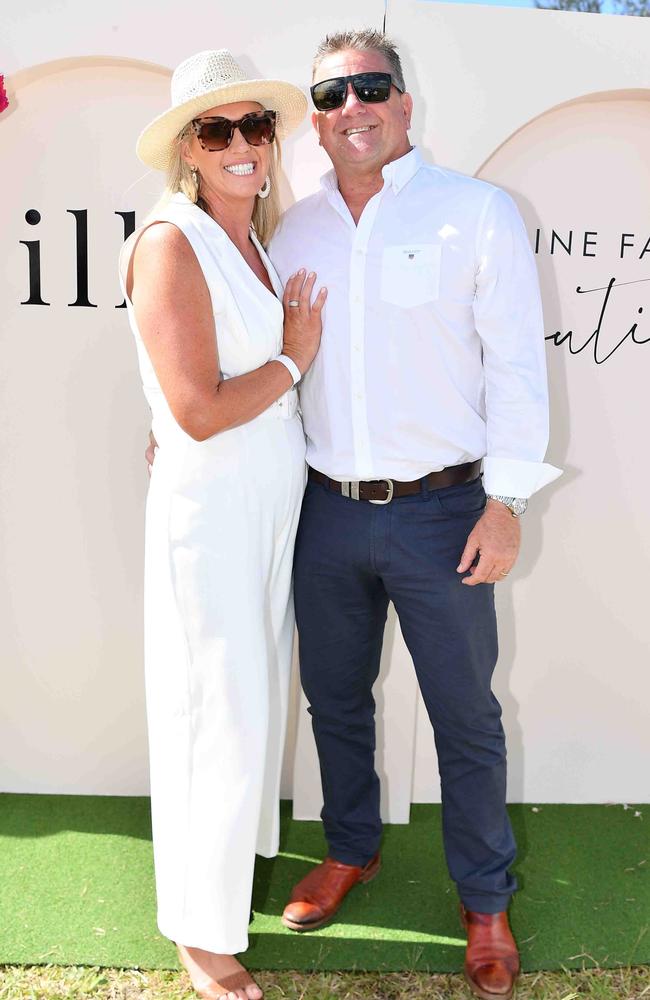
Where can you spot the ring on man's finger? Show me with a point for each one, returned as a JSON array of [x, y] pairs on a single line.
[[504, 572], [293, 303]]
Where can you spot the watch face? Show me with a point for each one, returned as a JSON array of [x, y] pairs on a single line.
[[519, 506]]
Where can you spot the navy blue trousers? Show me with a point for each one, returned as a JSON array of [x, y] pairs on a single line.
[[352, 558]]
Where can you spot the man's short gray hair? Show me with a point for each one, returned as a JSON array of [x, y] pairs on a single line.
[[362, 40]]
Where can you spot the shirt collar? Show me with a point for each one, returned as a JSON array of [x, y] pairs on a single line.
[[396, 174], [328, 181]]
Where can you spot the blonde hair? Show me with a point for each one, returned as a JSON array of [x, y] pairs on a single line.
[[267, 211]]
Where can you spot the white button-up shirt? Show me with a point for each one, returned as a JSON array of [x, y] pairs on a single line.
[[433, 347]]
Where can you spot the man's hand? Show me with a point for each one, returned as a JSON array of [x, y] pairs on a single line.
[[150, 453], [496, 537]]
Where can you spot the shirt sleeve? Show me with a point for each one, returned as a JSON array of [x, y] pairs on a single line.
[[508, 319], [279, 251]]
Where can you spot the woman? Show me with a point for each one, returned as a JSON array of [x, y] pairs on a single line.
[[220, 349]]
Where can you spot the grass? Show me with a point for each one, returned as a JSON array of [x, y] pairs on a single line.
[[585, 905], [78, 891], [82, 983]]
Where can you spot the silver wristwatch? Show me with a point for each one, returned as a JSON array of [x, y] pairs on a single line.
[[516, 505]]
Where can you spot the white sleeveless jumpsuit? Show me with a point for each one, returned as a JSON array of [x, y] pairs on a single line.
[[220, 528]]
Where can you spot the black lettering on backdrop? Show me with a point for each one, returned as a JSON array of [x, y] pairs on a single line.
[[32, 217], [625, 245], [81, 218], [624, 242], [588, 243], [588, 240], [560, 338], [556, 238], [128, 219]]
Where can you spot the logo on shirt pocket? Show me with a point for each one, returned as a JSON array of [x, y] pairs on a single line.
[[410, 274]]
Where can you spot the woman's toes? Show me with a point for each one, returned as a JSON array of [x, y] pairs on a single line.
[[253, 992]]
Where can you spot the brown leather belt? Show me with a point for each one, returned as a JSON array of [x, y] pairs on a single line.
[[383, 490]]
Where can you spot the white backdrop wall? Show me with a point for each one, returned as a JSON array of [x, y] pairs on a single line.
[[555, 108]]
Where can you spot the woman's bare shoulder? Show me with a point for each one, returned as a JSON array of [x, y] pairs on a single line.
[[164, 249], [161, 239]]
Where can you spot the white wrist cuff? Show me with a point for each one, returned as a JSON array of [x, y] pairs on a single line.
[[291, 367]]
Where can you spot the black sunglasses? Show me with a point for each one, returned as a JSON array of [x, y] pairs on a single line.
[[371, 88], [214, 134]]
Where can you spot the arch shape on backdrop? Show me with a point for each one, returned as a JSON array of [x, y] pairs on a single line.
[[72, 427], [581, 176]]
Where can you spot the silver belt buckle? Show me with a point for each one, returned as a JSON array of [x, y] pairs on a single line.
[[350, 490], [389, 483]]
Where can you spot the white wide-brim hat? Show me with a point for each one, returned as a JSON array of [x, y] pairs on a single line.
[[204, 81]]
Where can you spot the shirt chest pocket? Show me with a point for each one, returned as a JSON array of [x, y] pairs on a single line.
[[410, 274]]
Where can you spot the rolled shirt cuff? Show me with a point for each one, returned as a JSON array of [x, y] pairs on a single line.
[[513, 477]]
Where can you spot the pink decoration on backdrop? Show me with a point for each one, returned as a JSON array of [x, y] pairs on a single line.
[[4, 103]]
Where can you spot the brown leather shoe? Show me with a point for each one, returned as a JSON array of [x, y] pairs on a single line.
[[317, 897], [491, 959]]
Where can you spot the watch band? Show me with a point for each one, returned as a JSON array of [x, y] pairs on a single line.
[[516, 505]]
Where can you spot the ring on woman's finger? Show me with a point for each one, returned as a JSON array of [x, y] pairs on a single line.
[[504, 572], [293, 303]]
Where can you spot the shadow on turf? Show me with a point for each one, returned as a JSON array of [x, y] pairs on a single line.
[[413, 894], [560, 923], [24, 815]]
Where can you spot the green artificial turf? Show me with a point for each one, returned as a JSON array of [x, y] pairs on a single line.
[[77, 889]]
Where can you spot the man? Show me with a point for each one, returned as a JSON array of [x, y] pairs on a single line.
[[432, 358]]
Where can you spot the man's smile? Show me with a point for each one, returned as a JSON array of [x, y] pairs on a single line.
[[358, 128]]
